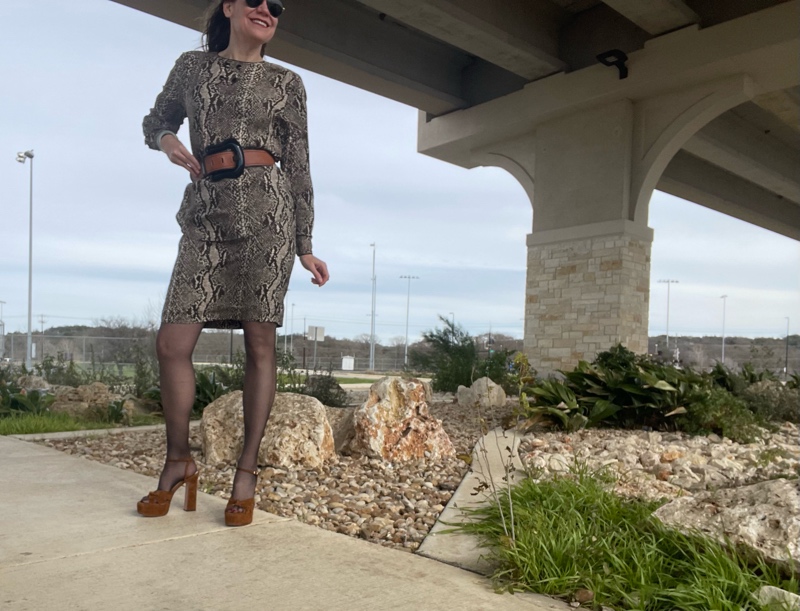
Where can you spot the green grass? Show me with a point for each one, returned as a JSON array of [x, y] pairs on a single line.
[[52, 422], [571, 533], [23, 424], [355, 381]]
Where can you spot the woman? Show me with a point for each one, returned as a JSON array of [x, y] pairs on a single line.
[[243, 220]]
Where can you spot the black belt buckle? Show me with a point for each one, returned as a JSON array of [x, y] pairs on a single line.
[[232, 145]]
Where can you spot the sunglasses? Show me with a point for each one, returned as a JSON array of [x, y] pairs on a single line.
[[275, 7]]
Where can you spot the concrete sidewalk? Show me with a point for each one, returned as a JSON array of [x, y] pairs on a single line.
[[70, 539]]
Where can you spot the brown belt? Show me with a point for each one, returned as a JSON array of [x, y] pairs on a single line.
[[226, 160]]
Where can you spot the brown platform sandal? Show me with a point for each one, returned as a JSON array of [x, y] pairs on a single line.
[[244, 517], [158, 501]]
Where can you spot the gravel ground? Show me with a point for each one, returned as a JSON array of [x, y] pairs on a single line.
[[396, 505], [390, 504]]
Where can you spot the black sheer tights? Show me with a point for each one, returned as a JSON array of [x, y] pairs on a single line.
[[174, 346]]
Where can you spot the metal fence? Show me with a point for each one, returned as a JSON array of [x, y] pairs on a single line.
[[217, 348]]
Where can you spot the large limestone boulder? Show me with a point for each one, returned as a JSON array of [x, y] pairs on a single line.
[[762, 518], [83, 400], [395, 424], [483, 392], [298, 434], [32, 382]]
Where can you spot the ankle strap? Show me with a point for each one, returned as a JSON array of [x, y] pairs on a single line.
[[188, 462], [255, 472]]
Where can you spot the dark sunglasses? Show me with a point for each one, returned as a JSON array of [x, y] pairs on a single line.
[[275, 7]]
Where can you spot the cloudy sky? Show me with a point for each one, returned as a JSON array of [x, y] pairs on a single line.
[[79, 76]]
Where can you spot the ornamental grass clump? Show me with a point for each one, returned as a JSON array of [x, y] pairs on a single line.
[[575, 539]]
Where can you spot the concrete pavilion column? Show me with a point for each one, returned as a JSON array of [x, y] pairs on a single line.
[[590, 174], [587, 289], [588, 276]]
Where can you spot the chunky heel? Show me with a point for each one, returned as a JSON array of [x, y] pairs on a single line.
[[158, 501], [190, 496], [245, 516]]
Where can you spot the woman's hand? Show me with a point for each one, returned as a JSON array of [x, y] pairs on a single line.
[[317, 268], [180, 156]]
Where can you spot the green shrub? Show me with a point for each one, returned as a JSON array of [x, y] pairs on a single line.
[[59, 371], [289, 379], [207, 390], [629, 391], [715, 410], [772, 401], [145, 371], [326, 389], [618, 389], [116, 411], [496, 368], [15, 400], [232, 376], [727, 379], [452, 357]]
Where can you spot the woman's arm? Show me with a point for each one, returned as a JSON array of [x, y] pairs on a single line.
[[295, 163], [166, 117]]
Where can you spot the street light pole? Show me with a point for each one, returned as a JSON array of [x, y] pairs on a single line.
[[22, 157], [408, 307], [285, 301], [724, 302], [291, 334], [668, 283], [786, 362], [372, 326], [2, 331]]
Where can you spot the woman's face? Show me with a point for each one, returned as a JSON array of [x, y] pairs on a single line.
[[250, 24]]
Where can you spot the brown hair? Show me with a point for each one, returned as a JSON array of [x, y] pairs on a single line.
[[217, 32]]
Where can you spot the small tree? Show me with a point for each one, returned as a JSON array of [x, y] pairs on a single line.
[[452, 356]]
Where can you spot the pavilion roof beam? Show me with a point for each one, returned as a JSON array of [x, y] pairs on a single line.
[[784, 104], [655, 16], [521, 38], [699, 181], [744, 150], [382, 57]]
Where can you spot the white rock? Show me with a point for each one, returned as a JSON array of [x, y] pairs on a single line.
[[488, 393], [465, 397], [775, 599], [297, 435], [763, 518], [558, 463], [649, 460]]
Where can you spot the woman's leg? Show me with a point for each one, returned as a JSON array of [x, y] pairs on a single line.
[[174, 346], [260, 377]]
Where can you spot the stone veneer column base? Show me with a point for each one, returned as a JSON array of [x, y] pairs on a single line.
[[587, 290]]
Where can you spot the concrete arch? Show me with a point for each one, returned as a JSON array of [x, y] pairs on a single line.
[[517, 157], [664, 123]]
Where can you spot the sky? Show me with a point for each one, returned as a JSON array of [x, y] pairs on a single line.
[[79, 76]]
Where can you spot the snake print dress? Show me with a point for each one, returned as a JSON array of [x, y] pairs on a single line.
[[239, 235]]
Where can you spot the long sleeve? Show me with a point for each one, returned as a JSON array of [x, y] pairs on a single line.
[[169, 110], [295, 163]]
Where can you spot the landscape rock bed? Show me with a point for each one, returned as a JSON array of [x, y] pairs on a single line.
[[656, 465], [391, 504], [396, 504]]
